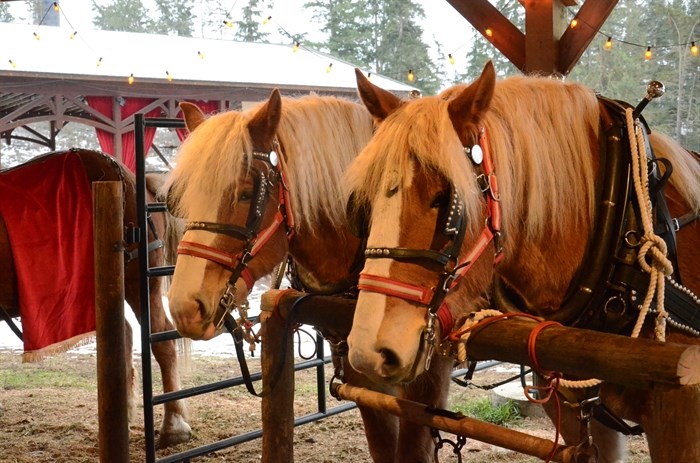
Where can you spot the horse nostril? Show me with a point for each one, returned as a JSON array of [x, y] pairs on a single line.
[[390, 358]]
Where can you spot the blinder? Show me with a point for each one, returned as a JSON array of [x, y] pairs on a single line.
[[450, 218]]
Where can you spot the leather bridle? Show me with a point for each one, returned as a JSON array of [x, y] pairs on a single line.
[[267, 170], [455, 227]]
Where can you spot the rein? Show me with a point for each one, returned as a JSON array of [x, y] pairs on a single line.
[[434, 298]]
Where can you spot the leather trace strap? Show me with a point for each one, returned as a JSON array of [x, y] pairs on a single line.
[[434, 297]]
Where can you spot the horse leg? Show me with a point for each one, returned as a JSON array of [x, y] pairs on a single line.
[[612, 445], [174, 429], [415, 440], [130, 372], [381, 429]]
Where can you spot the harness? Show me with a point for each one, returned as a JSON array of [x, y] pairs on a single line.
[[453, 267], [265, 179], [604, 295]]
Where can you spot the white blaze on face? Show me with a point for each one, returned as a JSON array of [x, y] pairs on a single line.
[[190, 286], [367, 330]]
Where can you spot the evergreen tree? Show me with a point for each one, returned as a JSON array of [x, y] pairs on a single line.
[[483, 51], [248, 28], [174, 18], [382, 36], [122, 15], [5, 15]]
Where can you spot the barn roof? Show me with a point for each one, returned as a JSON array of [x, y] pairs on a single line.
[[198, 62]]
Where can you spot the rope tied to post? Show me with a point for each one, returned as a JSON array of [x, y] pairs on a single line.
[[652, 257]]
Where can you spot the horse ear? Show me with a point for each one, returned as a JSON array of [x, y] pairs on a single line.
[[379, 102], [192, 114], [468, 107], [263, 125]]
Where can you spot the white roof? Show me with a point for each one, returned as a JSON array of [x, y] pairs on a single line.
[[149, 56]]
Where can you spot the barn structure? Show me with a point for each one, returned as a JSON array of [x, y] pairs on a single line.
[[218, 75]]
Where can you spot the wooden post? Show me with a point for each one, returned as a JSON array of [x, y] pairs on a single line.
[[671, 433], [108, 211], [455, 423], [277, 364]]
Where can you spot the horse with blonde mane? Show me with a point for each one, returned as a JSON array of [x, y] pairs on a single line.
[[163, 236], [256, 186], [488, 196]]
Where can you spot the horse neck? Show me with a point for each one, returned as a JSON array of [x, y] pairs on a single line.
[[538, 272], [325, 257]]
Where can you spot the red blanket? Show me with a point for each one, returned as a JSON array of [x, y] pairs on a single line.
[[47, 207]]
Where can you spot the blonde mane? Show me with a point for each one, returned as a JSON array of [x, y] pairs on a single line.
[[319, 135], [540, 131]]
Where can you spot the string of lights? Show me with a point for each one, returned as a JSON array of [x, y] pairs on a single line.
[[409, 76]]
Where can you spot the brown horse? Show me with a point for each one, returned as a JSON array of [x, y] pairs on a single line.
[[100, 167], [426, 185], [258, 185]]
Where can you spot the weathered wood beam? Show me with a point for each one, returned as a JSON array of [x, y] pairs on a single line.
[[640, 363], [591, 17], [507, 38], [545, 22], [455, 423]]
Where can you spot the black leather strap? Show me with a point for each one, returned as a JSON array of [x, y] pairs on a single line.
[[237, 334], [11, 323]]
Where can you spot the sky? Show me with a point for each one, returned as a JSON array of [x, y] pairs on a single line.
[[442, 23]]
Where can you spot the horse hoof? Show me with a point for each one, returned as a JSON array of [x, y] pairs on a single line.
[[174, 435]]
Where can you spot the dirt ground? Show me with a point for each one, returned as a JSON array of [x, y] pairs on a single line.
[[48, 413]]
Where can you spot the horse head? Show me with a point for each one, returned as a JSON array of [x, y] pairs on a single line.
[[229, 185], [425, 209]]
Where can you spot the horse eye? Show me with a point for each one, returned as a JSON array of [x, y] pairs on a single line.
[[440, 199], [392, 191], [246, 196]]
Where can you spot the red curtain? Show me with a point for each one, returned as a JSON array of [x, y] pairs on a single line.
[[207, 107], [103, 104]]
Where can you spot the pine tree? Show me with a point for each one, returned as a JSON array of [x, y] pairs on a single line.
[[380, 36], [253, 14], [174, 18], [122, 15], [483, 51], [5, 15]]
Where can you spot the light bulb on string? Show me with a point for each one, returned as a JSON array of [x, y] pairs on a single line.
[[451, 58], [489, 32], [131, 78], [647, 54], [228, 23], [56, 8], [574, 23], [608, 44], [693, 49], [168, 76], [266, 20], [99, 62], [295, 47], [369, 76], [12, 63], [36, 36], [411, 76], [72, 36], [329, 68], [200, 54]]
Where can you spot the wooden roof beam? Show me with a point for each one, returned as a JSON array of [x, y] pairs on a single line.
[[591, 17], [507, 38]]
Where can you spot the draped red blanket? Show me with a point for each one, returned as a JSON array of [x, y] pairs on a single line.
[[47, 207]]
